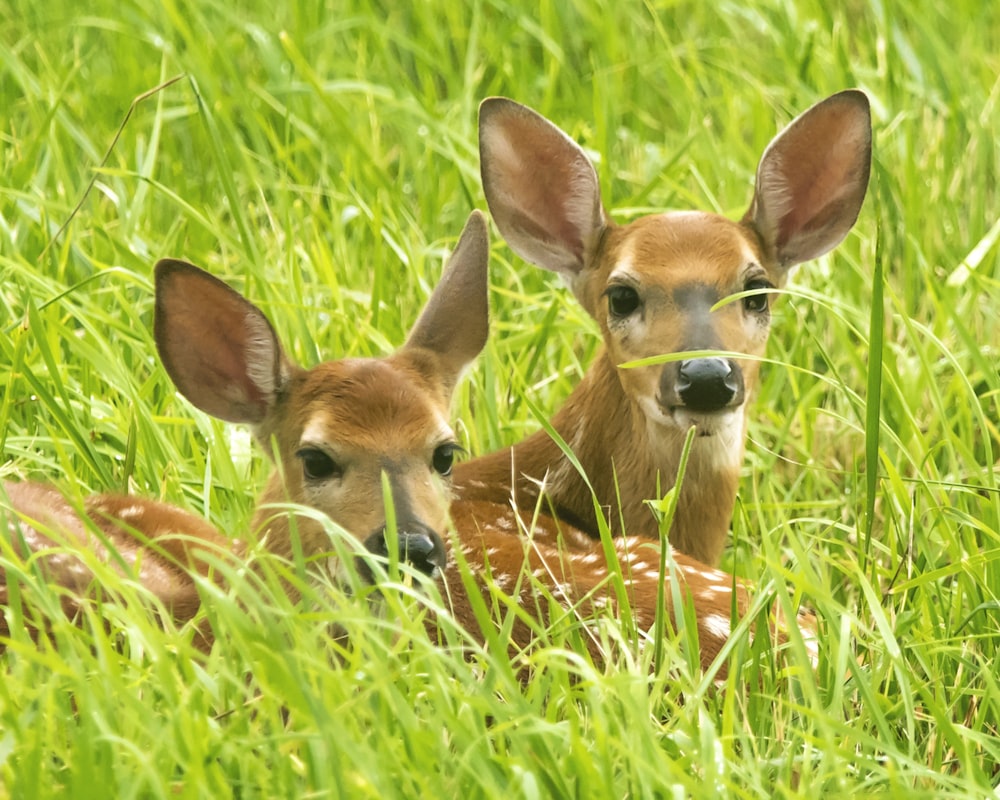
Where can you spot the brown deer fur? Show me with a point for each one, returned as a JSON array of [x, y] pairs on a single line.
[[653, 286]]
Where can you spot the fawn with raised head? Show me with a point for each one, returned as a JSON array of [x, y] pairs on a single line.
[[336, 430], [654, 286]]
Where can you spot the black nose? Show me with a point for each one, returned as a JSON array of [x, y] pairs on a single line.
[[419, 546], [709, 384]]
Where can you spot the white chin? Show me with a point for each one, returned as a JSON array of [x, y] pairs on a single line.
[[725, 423], [718, 423]]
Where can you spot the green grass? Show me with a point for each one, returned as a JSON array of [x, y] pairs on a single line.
[[323, 161]]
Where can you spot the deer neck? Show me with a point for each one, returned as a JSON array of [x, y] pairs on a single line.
[[627, 459]]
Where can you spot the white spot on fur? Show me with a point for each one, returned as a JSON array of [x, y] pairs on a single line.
[[712, 576], [131, 512], [504, 581], [717, 625]]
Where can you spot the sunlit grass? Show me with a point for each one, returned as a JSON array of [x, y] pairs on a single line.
[[323, 162]]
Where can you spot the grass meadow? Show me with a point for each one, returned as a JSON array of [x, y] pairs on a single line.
[[322, 158]]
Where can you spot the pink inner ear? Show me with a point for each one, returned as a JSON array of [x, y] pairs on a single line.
[[822, 183], [812, 181], [540, 186], [219, 349]]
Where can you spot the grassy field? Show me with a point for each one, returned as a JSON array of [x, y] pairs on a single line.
[[323, 160]]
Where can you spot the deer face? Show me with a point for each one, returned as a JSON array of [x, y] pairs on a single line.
[[654, 287], [353, 429], [351, 436]]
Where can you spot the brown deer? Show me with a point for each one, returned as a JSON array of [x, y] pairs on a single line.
[[336, 430], [655, 286]]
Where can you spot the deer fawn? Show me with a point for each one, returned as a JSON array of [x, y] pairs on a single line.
[[654, 286], [336, 430]]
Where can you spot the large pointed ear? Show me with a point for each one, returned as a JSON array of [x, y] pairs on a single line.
[[456, 320], [812, 180], [218, 348], [541, 188]]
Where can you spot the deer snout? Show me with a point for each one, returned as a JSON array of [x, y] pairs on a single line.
[[419, 546], [704, 384]]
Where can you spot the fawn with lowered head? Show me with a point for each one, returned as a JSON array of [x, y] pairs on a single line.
[[654, 286], [336, 430]]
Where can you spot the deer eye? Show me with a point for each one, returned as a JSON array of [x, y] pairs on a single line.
[[622, 300], [756, 303], [444, 458], [317, 465]]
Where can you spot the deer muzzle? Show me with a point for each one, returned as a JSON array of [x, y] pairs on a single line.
[[419, 546], [702, 385]]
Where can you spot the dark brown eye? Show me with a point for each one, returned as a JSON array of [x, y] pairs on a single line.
[[622, 301], [756, 303], [317, 465], [444, 458]]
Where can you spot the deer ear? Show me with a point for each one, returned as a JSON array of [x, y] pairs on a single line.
[[812, 180], [455, 322], [541, 188], [218, 348]]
